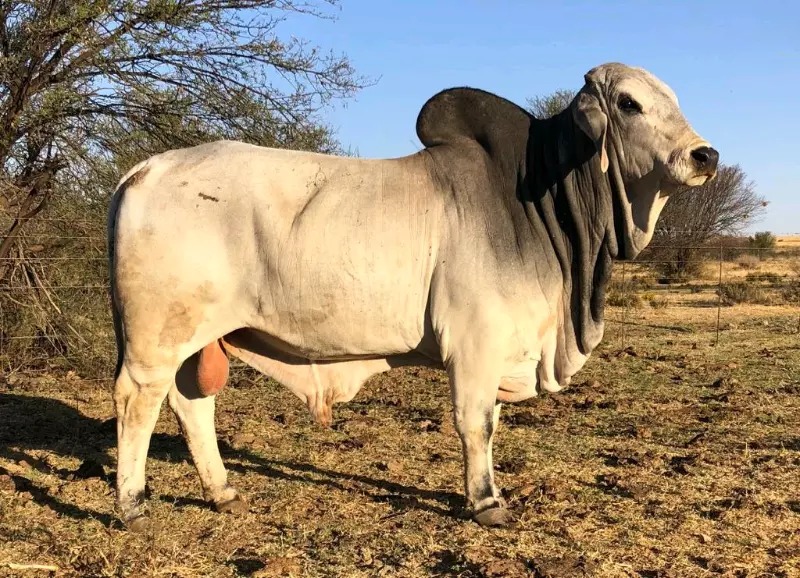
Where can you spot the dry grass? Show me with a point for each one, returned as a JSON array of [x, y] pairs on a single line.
[[748, 262], [668, 458], [733, 270], [772, 279]]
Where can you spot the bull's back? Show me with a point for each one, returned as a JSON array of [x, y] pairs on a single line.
[[350, 254], [330, 255]]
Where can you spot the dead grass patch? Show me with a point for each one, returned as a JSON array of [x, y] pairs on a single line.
[[668, 457]]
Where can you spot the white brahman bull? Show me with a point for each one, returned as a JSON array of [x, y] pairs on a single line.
[[486, 253]]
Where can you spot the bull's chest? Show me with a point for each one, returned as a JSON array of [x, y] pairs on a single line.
[[541, 363]]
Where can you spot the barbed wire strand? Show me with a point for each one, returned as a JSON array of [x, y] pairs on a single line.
[[639, 278]]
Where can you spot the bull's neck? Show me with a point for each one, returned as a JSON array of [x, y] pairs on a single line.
[[572, 199]]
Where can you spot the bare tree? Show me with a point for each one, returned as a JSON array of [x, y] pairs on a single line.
[[725, 205], [88, 82], [88, 88], [551, 104]]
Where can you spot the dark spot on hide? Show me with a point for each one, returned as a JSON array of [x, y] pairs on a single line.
[[206, 197], [488, 426]]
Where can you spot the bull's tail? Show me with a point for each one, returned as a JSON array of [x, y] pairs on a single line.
[[132, 177]]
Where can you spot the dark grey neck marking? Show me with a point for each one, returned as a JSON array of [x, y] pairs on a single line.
[[575, 202], [547, 173]]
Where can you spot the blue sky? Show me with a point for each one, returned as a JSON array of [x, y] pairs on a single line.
[[734, 65]]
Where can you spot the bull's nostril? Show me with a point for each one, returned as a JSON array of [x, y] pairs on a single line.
[[700, 155], [705, 157]]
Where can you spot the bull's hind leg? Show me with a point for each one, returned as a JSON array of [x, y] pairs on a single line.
[[138, 395], [195, 413]]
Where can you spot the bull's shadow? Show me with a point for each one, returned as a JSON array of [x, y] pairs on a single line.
[[29, 423]]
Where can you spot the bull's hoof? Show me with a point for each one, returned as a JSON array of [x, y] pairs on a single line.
[[233, 506], [138, 525], [492, 517]]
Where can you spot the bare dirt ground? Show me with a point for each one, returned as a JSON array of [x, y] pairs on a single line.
[[670, 457]]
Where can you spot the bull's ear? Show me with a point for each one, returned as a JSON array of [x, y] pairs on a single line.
[[594, 122]]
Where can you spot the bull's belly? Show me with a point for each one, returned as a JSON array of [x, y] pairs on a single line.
[[327, 343], [341, 329]]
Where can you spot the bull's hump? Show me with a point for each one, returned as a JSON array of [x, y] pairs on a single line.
[[472, 114], [456, 123]]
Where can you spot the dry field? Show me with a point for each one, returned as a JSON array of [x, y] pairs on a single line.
[[670, 456], [787, 241], [766, 277]]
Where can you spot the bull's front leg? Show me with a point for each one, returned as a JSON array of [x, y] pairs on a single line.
[[477, 413]]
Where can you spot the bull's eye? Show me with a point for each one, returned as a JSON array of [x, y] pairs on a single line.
[[628, 105]]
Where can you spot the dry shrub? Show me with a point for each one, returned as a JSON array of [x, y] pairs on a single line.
[[616, 298], [731, 247], [791, 293], [709, 271], [644, 281], [748, 261], [763, 240], [54, 303], [763, 277], [655, 301], [678, 265], [630, 283], [742, 292]]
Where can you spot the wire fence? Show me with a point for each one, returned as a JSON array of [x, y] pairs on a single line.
[[55, 305], [720, 279]]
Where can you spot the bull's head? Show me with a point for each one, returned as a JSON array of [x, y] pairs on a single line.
[[644, 141]]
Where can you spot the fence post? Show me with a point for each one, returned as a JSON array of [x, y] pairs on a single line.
[[624, 305], [719, 294]]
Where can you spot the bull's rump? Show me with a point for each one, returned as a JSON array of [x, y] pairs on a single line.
[[330, 256]]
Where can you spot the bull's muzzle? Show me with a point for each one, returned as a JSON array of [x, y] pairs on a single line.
[[705, 160]]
